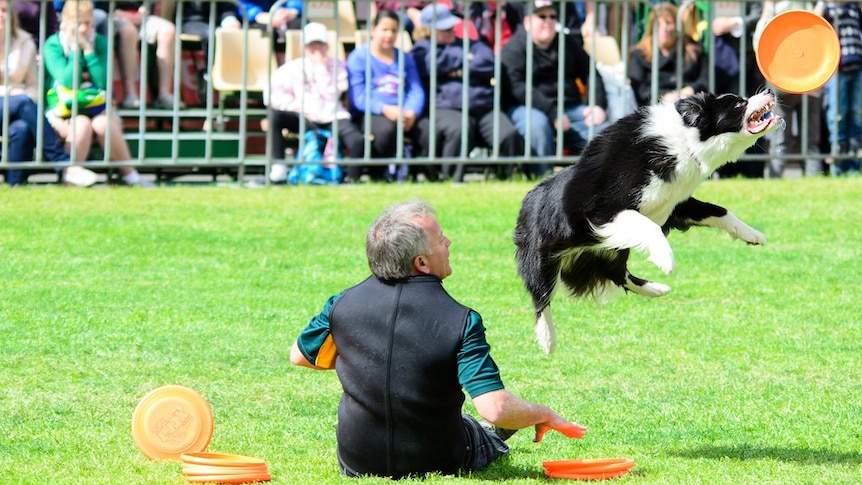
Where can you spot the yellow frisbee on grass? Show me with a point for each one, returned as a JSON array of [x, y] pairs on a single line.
[[798, 51], [172, 420]]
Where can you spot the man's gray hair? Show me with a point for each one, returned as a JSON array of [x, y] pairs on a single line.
[[395, 239]]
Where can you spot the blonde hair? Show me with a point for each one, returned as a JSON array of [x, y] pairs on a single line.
[[669, 12], [77, 8], [13, 19]]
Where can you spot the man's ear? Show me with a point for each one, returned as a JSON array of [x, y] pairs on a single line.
[[420, 266]]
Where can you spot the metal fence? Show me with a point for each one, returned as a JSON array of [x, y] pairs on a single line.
[[220, 126]]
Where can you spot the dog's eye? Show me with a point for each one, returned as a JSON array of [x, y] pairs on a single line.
[[741, 104]]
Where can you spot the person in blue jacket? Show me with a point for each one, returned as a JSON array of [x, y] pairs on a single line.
[[289, 16], [451, 70], [376, 75]]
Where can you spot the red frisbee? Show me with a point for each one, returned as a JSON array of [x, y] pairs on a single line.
[[221, 459]]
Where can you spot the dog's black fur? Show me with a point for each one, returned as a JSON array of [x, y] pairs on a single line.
[[632, 185]]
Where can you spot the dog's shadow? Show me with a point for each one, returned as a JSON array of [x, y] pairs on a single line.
[[794, 454]]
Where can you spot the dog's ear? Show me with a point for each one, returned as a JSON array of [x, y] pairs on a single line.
[[692, 108]]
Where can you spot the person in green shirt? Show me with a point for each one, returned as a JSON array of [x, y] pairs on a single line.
[[76, 57], [405, 351]]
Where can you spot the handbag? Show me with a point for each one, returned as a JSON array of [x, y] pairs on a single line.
[[91, 100]]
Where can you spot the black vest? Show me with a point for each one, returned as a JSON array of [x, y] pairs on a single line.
[[400, 413]]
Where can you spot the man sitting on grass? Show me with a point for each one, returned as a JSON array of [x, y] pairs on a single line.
[[403, 349]]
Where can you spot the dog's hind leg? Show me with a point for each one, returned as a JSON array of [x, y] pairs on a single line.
[[546, 333], [540, 273], [632, 230]]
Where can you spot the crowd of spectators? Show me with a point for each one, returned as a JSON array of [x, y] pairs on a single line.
[[522, 84]]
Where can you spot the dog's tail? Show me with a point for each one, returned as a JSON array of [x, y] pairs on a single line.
[[546, 334]]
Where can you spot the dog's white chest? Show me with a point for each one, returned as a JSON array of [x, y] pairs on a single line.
[[660, 197]]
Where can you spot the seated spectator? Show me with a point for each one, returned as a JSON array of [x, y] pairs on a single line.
[[196, 20], [133, 22], [412, 12], [78, 40], [539, 32], [449, 59], [310, 86], [695, 70], [846, 116], [287, 17], [18, 91], [30, 19], [381, 106]]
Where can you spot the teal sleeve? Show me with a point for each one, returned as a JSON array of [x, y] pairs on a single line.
[[315, 335], [477, 371]]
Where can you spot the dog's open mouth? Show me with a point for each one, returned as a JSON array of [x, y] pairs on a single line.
[[762, 119]]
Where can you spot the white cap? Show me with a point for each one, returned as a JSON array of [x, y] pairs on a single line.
[[314, 32]]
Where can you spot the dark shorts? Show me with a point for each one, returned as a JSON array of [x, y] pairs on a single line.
[[483, 447]]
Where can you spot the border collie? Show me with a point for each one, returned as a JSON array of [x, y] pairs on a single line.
[[632, 185]]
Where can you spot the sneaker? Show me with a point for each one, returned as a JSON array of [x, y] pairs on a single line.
[[143, 183], [79, 176], [278, 173], [167, 102], [131, 102]]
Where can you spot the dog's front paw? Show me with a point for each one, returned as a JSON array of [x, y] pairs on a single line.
[[751, 236], [663, 259]]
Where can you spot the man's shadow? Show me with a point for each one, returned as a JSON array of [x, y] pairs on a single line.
[[794, 454]]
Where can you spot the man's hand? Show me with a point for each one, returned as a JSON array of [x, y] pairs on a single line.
[[571, 430]]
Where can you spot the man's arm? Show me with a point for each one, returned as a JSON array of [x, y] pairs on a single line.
[[297, 358], [504, 409]]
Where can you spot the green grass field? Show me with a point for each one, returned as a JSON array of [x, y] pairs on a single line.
[[748, 372]]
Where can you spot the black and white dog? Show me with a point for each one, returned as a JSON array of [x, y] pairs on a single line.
[[632, 185]]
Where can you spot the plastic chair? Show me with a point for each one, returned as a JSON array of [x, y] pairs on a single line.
[[227, 65], [605, 49], [345, 24]]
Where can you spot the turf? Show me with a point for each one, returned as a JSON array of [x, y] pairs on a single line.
[[747, 372]]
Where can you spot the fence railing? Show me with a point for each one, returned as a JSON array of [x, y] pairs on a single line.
[[208, 127]]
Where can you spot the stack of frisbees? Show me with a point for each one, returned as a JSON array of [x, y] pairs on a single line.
[[176, 423], [223, 468], [588, 469]]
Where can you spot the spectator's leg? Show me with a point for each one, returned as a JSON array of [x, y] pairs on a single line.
[[21, 145], [814, 165], [511, 143], [162, 33], [83, 132], [779, 139], [447, 133], [541, 136], [23, 108], [282, 120], [119, 148], [385, 133], [127, 57]]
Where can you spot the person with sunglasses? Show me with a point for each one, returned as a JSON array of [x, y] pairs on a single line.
[[538, 107]]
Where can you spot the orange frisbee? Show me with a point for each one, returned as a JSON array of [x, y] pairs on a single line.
[[172, 420], [190, 469], [798, 51], [573, 475], [221, 459], [589, 465], [247, 478]]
